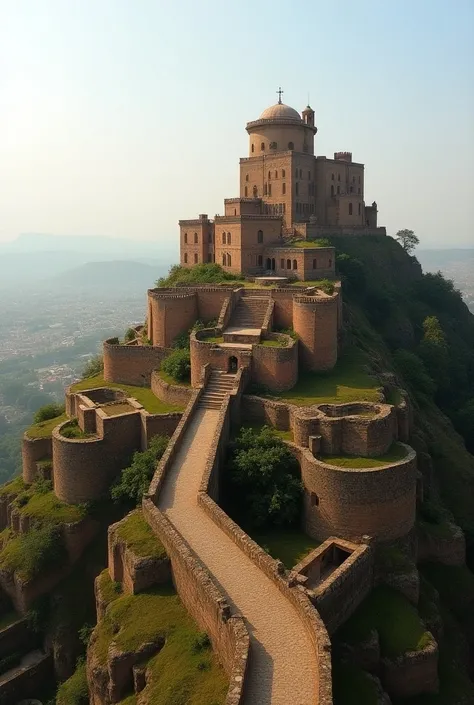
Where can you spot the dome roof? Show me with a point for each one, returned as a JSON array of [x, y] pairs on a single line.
[[280, 110]]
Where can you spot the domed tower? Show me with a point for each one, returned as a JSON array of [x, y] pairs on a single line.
[[280, 168]]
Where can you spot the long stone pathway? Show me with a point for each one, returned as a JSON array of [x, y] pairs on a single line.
[[282, 658]]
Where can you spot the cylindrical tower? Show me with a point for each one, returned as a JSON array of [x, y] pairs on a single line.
[[315, 322], [169, 314]]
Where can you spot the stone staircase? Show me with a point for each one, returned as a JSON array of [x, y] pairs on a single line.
[[249, 312], [218, 385]]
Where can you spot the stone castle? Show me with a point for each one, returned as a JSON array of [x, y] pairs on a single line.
[[286, 192], [271, 628]]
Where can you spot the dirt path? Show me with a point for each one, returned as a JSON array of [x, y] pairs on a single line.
[[282, 659]]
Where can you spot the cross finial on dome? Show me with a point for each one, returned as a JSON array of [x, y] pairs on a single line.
[[279, 91]]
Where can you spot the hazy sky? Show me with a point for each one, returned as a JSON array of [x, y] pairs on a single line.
[[118, 117]]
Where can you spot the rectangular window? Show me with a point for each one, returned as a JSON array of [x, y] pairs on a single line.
[[283, 189], [297, 190], [269, 189]]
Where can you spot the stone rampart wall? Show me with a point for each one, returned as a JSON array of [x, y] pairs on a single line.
[[159, 425], [283, 310], [34, 449], [413, 673], [204, 602], [26, 682], [170, 313], [170, 393], [350, 502], [131, 364]]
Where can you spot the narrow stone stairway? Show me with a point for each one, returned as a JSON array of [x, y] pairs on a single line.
[[218, 385], [249, 312]]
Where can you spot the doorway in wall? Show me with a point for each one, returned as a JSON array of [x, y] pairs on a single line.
[[233, 364]]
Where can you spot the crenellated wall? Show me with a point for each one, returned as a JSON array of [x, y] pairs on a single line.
[[131, 364]]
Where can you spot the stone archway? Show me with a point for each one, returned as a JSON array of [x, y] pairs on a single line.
[[233, 364]]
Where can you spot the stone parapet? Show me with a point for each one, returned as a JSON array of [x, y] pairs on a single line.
[[413, 673], [132, 364], [170, 393], [32, 450], [275, 367]]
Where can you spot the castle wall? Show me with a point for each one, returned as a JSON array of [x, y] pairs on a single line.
[[32, 450], [159, 425], [283, 311], [171, 312], [275, 368], [203, 353], [349, 502], [170, 393], [131, 364], [315, 321]]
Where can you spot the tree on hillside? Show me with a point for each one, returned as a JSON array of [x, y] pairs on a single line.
[[407, 239], [95, 366]]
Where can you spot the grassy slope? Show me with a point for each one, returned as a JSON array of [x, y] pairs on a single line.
[[45, 428], [139, 537], [185, 670]]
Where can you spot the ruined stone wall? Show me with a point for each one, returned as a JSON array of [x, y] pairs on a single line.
[[159, 425], [275, 368], [27, 682], [349, 502], [32, 450], [315, 320], [131, 364], [170, 393], [272, 413]]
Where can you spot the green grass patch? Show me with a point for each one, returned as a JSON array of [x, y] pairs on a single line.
[[33, 553], [348, 381], [47, 508], [143, 395], [75, 690], [289, 545], [73, 430], [395, 453], [109, 589], [185, 670], [139, 537], [13, 487], [44, 429], [309, 244], [272, 344], [352, 686], [393, 616], [284, 435], [213, 339], [171, 380]]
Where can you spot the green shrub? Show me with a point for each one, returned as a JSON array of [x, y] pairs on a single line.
[[181, 342], [178, 365], [75, 690], [414, 372], [135, 479], [50, 411], [264, 478], [95, 366], [199, 274], [130, 334], [35, 552], [327, 286]]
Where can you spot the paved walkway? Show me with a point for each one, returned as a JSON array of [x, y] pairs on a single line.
[[282, 659]]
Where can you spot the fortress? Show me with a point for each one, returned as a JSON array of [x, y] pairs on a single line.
[[256, 336]]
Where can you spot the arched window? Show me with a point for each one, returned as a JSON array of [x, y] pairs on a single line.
[[195, 258], [223, 238], [269, 189], [295, 264], [314, 499], [332, 189], [330, 262], [269, 175], [291, 145], [246, 177], [229, 238], [350, 208], [245, 192], [265, 189], [276, 173], [185, 258], [224, 260], [315, 264], [255, 192], [283, 189], [282, 173], [186, 238], [209, 237], [338, 189], [297, 190], [332, 177], [260, 236], [359, 208], [252, 148], [196, 238], [235, 211], [260, 260], [288, 263], [338, 177], [229, 260], [262, 147]]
